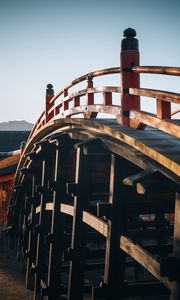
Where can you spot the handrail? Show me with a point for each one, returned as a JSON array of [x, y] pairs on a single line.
[[161, 96], [174, 71], [84, 77]]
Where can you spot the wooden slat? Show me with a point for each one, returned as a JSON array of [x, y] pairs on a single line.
[[144, 259]]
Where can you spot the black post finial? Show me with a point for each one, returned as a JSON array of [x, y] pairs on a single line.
[[50, 90], [129, 42]]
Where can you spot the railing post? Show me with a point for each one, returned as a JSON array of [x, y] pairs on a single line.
[[49, 96], [129, 58], [90, 96]]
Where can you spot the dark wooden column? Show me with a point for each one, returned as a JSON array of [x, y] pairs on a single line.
[[81, 200], [57, 226], [175, 294], [47, 165], [114, 257], [30, 254]]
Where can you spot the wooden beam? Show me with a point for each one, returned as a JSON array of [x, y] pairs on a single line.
[[167, 126], [114, 270], [56, 246], [95, 223], [145, 259]]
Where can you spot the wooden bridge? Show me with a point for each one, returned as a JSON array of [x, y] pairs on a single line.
[[95, 204]]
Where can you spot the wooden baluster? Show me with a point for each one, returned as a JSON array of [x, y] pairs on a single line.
[[107, 98], [65, 103], [76, 101], [163, 109], [90, 96], [77, 260]]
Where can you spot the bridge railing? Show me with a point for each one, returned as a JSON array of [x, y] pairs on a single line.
[[128, 108]]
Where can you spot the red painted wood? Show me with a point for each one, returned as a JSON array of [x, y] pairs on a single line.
[[129, 58], [163, 109], [107, 98]]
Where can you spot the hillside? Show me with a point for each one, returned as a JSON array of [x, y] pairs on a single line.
[[16, 126]]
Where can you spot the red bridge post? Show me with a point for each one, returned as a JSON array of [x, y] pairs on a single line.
[[49, 96], [129, 58]]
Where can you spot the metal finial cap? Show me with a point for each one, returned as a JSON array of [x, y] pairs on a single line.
[[49, 86], [129, 33]]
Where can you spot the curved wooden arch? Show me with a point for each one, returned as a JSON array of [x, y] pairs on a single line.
[[109, 128]]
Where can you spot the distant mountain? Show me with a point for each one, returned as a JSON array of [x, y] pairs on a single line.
[[16, 126]]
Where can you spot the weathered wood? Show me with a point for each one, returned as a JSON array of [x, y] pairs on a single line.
[[109, 130], [96, 223], [67, 209], [144, 259], [167, 126]]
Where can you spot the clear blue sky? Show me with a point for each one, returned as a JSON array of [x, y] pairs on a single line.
[[58, 40]]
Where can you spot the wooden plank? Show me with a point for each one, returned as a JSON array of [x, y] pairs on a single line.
[[144, 259]]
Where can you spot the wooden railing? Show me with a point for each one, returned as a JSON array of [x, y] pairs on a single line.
[[64, 104]]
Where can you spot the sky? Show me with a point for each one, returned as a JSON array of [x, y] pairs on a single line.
[[56, 41]]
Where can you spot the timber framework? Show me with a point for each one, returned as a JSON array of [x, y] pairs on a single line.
[[95, 205]]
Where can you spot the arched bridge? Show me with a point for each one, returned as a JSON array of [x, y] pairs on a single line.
[[95, 203]]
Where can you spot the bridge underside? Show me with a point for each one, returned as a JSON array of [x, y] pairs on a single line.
[[95, 211]]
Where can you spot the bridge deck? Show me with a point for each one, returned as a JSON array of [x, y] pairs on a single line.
[[158, 145]]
